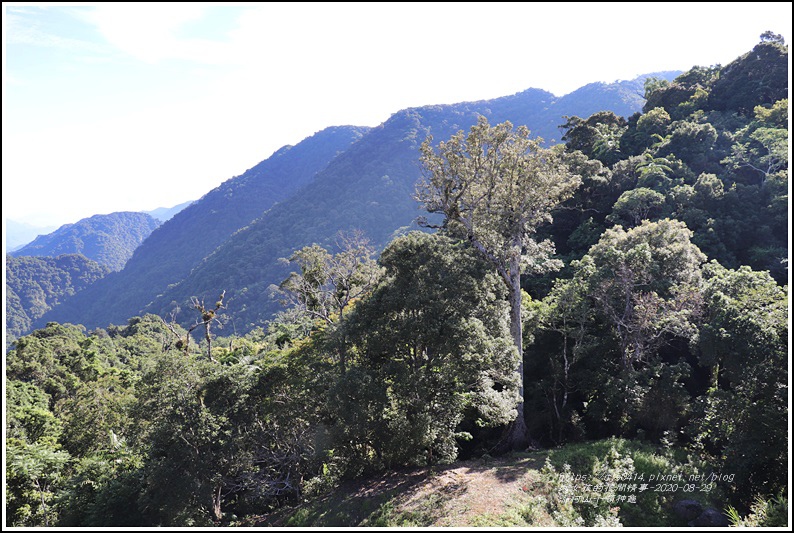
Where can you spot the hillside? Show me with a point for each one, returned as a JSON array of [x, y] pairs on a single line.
[[597, 335], [18, 234], [478, 492], [177, 246], [166, 213], [109, 240], [368, 186], [35, 285]]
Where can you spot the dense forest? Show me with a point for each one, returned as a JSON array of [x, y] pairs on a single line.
[[49, 270], [622, 293], [34, 285], [109, 240]]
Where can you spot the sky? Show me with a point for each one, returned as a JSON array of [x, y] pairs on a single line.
[[135, 106]]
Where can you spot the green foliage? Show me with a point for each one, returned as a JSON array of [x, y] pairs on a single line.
[[598, 137], [35, 285], [765, 512], [432, 349], [743, 342], [611, 336], [643, 282], [103, 490], [621, 478], [34, 474], [495, 187], [761, 147], [328, 283], [97, 413], [50, 359], [198, 426], [636, 205], [644, 130], [28, 415], [758, 77], [35, 464], [693, 144], [685, 95], [635, 337]]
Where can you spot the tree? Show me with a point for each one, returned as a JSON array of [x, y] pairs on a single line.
[[762, 145], [616, 333], [34, 462], [636, 205], [204, 432], [644, 282], [434, 355], [743, 340], [759, 77], [495, 187], [327, 282], [34, 474], [567, 313], [598, 136], [207, 314]]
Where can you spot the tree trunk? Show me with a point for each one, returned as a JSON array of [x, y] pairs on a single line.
[[216, 504], [518, 434]]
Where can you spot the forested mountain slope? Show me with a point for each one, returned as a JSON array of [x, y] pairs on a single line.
[[180, 243], [368, 187], [109, 240], [35, 285]]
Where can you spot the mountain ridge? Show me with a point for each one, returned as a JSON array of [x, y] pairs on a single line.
[[381, 169], [107, 239], [181, 242], [371, 191]]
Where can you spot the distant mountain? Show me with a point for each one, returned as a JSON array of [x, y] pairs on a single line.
[[368, 186], [171, 251], [106, 239], [167, 213], [34, 285], [627, 97], [18, 234]]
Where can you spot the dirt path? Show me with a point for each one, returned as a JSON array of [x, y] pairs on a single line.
[[479, 492]]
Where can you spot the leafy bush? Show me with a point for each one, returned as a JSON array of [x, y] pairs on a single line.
[[617, 481], [772, 512]]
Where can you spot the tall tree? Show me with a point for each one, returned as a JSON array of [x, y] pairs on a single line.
[[495, 187], [433, 355], [327, 282]]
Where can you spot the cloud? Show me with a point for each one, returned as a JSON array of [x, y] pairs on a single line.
[[23, 27], [150, 32]]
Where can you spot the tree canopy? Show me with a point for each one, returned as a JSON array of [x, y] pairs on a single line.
[[495, 186]]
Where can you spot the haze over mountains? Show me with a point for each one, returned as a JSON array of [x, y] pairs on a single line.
[[340, 179], [166, 213], [107, 239], [19, 234]]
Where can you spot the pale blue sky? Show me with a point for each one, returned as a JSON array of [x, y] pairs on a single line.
[[138, 106]]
